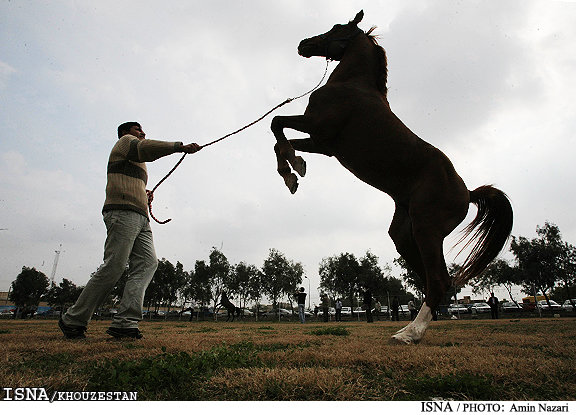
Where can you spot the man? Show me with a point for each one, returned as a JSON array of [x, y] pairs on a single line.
[[325, 305], [493, 303], [412, 309], [129, 237], [301, 296], [395, 308], [377, 308], [338, 310], [367, 301]]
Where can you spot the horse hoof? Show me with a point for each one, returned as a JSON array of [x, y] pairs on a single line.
[[299, 166], [291, 182], [396, 339]]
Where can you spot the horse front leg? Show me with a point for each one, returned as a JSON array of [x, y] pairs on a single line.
[[285, 154]]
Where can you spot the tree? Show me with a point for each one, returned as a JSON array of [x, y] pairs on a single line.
[[63, 295], [568, 270], [280, 276], [255, 290], [372, 277], [498, 273], [339, 276], [27, 290], [200, 289], [539, 259], [239, 281], [219, 273], [167, 283]]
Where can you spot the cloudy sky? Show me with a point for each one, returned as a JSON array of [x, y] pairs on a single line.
[[491, 83]]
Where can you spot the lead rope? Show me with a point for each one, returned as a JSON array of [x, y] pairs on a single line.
[[151, 192]]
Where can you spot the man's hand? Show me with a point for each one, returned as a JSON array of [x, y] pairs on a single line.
[[191, 148], [150, 196]]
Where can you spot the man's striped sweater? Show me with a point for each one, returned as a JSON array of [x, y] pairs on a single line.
[[127, 174]]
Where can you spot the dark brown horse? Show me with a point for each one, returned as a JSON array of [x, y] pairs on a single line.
[[230, 308], [350, 119]]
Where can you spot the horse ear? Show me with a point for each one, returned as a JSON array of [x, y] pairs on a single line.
[[358, 17]]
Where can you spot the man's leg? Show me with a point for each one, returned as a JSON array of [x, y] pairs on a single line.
[[121, 234], [142, 266]]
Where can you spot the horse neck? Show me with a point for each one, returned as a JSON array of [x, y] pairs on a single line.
[[360, 63]]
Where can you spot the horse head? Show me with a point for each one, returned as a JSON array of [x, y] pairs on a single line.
[[333, 43]]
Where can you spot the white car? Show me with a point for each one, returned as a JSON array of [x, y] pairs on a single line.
[[458, 308], [510, 306], [567, 306], [480, 308], [554, 306], [404, 309], [346, 311]]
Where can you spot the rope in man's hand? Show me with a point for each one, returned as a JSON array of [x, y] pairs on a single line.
[[188, 149], [193, 148]]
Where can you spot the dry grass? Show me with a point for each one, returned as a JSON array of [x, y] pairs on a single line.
[[528, 359]]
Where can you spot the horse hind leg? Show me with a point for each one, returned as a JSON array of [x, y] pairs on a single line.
[[401, 233], [437, 283]]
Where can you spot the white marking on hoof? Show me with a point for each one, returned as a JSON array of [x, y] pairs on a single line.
[[415, 330], [400, 339], [299, 166]]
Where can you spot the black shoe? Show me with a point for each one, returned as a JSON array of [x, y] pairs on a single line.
[[124, 333], [72, 332]]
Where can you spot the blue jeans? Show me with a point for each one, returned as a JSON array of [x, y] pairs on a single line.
[[301, 313], [128, 241]]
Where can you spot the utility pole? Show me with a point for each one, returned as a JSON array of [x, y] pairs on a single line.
[[55, 265]]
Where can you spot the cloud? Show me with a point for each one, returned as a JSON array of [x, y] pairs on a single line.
[[5, 72], [454, 65]]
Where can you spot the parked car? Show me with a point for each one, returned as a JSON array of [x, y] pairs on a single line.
[[458, 309], [479, 308], [567, 306], [346, 311], [510, 306], [281, 311], [359, 310], [404, 309], [554, 306]]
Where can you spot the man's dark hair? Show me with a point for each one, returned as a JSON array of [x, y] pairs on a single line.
[[123, 129]]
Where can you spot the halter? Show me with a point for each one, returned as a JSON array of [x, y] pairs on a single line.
[[340, 39], [151, 193]]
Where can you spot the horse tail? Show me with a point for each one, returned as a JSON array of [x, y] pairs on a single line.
[[490, 231]]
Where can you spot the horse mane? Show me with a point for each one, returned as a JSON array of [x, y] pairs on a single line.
[[383, 79]]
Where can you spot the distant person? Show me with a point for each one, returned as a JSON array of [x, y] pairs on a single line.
[[301, 296], [367, 301], [129, 237], [316, 310], [377, 308], [325, 304], [395, 308], [338, 306], [412, 309], [493, 303]]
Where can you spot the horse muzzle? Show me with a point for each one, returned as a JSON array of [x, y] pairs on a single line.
[[310, 47]]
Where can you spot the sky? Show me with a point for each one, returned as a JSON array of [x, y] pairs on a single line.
[[490, 83]]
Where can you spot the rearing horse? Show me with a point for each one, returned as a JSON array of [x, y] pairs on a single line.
[[349, 118]]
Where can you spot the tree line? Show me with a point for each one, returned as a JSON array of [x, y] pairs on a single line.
[[545, 264]]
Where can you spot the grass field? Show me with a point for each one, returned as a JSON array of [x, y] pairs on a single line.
[[526, 359]]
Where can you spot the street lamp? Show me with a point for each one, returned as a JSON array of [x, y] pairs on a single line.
[[309, 293]]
